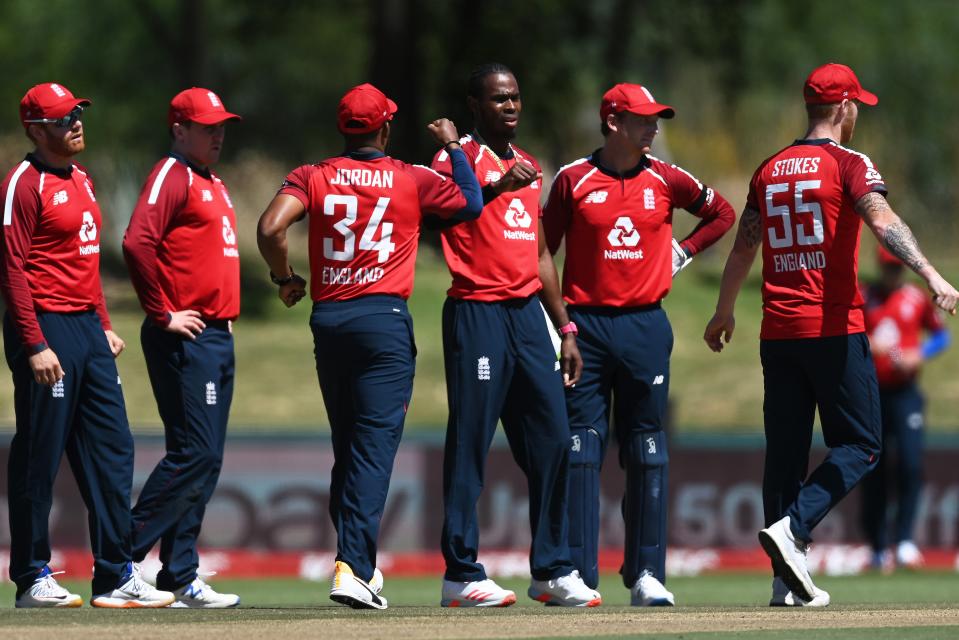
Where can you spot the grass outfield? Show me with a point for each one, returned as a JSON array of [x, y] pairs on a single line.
[[905, 605]]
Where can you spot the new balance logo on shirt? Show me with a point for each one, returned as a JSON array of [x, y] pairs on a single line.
[[596, 197], [60, 197]]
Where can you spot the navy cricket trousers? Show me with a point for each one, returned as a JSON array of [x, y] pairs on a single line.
[[192, 382], [625, 372], [85, 416], [501, 364], [837, 375], [365, 361], [902, 432]]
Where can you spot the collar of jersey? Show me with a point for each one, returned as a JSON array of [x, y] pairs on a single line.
[[203, 172], [481, 142], [635, 171], [364, 155], [814, 141], [45, 168]]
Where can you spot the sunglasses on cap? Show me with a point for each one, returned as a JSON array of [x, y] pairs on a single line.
[[65, 122]]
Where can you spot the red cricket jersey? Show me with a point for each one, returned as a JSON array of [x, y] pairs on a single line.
[[181, 245], [895, 322], [49, 246], [496, 256], [806, 195], [618, 228], [365, 213]]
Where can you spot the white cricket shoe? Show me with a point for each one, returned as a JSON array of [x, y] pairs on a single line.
[[479, 593], [908, 555], [783, 597], [135, 593], [199, 595], [650, 592], [789, 558], [565, 591], [46, 592], [347, 589]]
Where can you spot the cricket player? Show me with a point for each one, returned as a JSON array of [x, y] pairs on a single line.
[[897, 314], [61, 348], [806, 206], [365, 213], [181, 251], [615, 209], [500, 360]]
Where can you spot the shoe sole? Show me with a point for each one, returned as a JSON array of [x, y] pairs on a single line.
[[130, 604], [179, 604], [502, 602], [73, 604], [661, 602], [550, 601], [784, 567], [355, 603]]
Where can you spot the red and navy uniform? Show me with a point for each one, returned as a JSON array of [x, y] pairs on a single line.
[[896, 321], [500, 365], [50, 281], [618, 232], [181, 250], [365, 212], [813, 346]]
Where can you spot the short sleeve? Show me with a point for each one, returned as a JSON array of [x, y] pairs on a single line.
[[859, 176], [297, 184]]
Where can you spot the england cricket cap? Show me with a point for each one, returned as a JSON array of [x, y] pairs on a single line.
[[198, 105], [635, 99], [48, 100], [885, 257], [363, 109], [833, 83]]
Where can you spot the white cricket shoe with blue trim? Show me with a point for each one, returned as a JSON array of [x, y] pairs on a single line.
[[199, 595], [45, 592]]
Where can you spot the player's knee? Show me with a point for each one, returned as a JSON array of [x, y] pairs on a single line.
[[647, 449]]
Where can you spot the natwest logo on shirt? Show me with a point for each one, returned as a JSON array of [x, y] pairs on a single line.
[[88, 234], [517, 215], [229, 238], [623, 234]]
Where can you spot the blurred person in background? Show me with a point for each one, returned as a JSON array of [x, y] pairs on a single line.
[[805, 208], [501, 363], [365, 211], [614, 208], [897, 314], [61, 349], [181, 250]]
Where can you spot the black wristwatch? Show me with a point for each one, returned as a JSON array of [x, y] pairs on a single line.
[[282, 281]]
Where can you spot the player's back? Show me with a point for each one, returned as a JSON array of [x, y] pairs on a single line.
[[806, 194], [365, 213]]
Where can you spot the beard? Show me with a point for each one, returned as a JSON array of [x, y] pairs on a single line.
[[68, 145], [848, 128]]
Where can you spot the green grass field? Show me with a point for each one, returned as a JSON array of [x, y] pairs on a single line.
[[905, 605]]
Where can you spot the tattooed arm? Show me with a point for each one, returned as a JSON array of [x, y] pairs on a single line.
[[740, 260], [896, 236]]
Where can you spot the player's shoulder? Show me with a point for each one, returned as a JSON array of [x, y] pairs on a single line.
[[846, 153], [670, 171], [573, 171], [23, 175]]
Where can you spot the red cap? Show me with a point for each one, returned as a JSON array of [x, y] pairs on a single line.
[[833, 83], [198, 105], [885, 257], [48, 100], [635, 99], [363, 109]]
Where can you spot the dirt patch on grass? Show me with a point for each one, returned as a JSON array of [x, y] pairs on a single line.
[[262, 624]]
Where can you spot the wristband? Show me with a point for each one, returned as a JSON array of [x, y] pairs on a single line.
[[567, 329], [447, 144], [282, 281]]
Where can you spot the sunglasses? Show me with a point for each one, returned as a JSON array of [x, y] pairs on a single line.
[[65, 122]]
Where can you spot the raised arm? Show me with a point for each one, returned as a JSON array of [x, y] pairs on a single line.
[[740, 261], [898, 238]]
